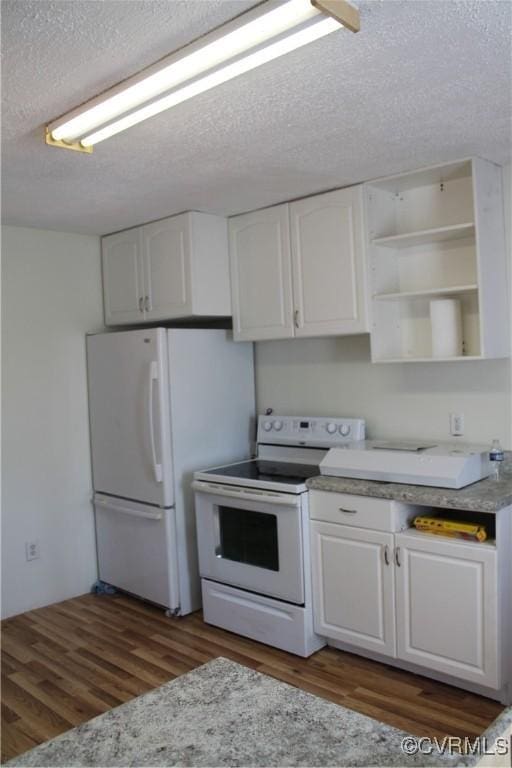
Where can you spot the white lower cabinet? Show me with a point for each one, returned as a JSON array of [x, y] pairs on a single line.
[[447, 614], [353, 586], [404, 594]]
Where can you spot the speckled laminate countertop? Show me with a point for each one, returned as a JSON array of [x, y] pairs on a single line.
[[224, 714], [485, 496]]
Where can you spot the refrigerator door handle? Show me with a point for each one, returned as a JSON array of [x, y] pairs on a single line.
[[153, 376], [128, 511]]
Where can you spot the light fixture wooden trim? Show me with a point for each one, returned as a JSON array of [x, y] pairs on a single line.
[[342, 11], [74, 145]]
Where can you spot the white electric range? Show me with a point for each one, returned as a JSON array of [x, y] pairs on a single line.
[[252, 531]]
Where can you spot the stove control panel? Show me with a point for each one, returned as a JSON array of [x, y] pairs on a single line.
[[316, 431]]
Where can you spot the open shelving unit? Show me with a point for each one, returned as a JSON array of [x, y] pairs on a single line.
[[465, 516], [437, 233]]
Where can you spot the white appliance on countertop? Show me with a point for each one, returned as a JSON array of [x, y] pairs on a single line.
[[444, 465], [162, 402], [253, 535]]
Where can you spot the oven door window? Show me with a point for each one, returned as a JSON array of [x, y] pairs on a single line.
[[248, 537]]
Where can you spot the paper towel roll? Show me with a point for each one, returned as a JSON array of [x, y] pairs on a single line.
[[446, 324]]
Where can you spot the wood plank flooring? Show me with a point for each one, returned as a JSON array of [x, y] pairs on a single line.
[[66, 663]]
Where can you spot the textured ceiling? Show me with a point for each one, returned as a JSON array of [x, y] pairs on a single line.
[[424, 81]]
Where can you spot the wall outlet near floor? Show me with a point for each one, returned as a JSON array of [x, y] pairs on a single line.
[[456, 424], [32, 550]]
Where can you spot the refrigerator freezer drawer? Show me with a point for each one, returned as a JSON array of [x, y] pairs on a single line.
[[134, 543]]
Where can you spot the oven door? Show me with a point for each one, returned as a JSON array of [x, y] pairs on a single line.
[[251, 539]]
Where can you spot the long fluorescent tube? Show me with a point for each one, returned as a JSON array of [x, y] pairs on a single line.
[[239, 67], [255, 32], [242, 47]]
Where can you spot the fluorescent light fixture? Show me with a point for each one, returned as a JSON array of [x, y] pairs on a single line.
[[253, 33], [248, 45], [228, 72]]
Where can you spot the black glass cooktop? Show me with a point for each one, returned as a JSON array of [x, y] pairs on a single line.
[[269, 471]]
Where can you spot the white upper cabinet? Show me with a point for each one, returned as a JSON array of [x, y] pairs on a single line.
[[166, 245], [173, 268], [298, 269], [438, 233], [327, 262], [122, 277], [261, 284]]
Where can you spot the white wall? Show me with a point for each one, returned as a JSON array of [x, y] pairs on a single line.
[[51, 284], [334, 376]]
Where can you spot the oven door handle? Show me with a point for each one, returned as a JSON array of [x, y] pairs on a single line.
[[247, 494], [216, 532]]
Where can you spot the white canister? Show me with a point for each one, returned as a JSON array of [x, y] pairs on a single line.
[[446, 325]]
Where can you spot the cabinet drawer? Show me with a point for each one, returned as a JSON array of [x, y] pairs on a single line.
[[359, 511]]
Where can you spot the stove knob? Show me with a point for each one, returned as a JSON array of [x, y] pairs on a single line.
[[267, 426], [278, 425], [331, 428], [344, 430]]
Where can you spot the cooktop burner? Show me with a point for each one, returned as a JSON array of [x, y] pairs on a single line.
[[273, 471]]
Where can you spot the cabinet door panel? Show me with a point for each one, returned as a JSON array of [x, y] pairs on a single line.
[[166, 248], [122, 278], [446, 607], [328, 263], [261, 275], [353, 586]]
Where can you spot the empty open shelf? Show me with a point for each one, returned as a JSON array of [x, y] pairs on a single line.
[[434, 235], [427, 293]]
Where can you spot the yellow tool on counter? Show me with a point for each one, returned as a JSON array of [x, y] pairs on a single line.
[[453, 528]]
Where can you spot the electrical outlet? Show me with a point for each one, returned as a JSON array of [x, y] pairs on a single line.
[[456, 424], [32, 550]]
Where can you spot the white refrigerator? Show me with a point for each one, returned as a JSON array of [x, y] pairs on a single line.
[[162, 403]]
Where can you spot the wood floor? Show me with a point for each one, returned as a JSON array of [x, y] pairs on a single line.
[[64, 664]]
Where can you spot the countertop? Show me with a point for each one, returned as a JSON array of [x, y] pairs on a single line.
[[224, 714], [485, 496]]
